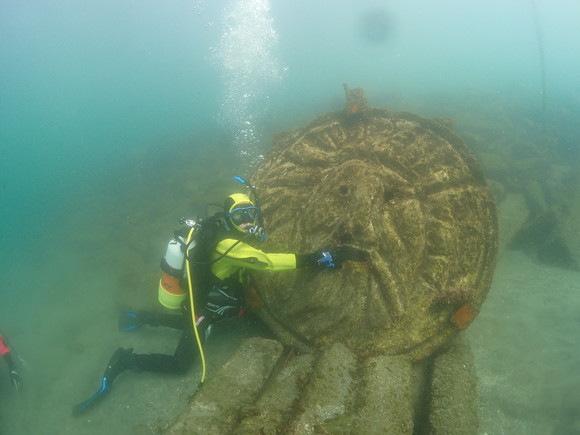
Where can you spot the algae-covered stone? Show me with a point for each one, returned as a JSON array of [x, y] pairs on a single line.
[[328, 393], [216, 407], [385, 396], [453, 398], [274, 408], [403, 188]]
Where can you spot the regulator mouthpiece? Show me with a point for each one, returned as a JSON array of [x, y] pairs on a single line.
[[258, 232]]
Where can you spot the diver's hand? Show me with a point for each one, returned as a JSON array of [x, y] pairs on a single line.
[[332, 258], [328, 259], [15, 379], [321, 259]]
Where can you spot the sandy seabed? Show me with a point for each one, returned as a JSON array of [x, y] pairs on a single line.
[[526, 349], [525, 342]]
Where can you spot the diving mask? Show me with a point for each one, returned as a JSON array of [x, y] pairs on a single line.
[[240, 215]]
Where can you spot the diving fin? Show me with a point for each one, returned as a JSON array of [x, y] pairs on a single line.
[[117, 364], [128, 321], [81, 407]]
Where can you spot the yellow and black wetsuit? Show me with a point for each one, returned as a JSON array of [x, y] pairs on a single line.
[[218, 267], [244, 256], [216, 270], [218, 293], [219, 288]]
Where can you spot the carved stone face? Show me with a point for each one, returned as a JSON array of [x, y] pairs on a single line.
[[403, 188]]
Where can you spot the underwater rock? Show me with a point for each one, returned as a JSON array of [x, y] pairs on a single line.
[[548, 233], [280, 397], [542, 237], [215, 408], [262, 390], [327, 395], [385, 396], [453, 392], [405, 189]]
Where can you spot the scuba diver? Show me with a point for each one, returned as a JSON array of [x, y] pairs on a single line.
[[6, 353], [211, 256]]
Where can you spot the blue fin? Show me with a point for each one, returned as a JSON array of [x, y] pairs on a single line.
[[128, 321]]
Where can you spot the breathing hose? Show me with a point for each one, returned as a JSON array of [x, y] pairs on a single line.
[[190, 285], [192, 307]]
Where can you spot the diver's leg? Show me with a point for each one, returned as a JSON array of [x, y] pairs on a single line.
[[130, 320], [119, 362], [223, 301], [169, 320], [181, 360], [156, 362], [125, 359]]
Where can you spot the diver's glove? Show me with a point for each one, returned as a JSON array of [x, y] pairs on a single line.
[[331, 258], [15, 379], [322, 259]]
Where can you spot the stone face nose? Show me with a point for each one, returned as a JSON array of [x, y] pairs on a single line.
[[357, 198]]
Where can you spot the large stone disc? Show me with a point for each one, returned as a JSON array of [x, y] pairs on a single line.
[[404, 188]]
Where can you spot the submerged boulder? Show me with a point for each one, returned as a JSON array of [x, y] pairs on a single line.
[[401, 187]]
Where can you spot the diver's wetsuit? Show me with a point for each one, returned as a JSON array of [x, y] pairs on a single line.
[[221, 302], [217, 266], [185, 351], [224, 299]]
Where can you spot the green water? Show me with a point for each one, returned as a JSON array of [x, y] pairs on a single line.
[[118, 118]]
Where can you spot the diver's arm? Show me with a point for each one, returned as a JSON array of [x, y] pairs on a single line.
[[241, 254], [246, 256]]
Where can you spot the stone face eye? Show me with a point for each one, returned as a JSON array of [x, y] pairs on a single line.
[[343, 190]]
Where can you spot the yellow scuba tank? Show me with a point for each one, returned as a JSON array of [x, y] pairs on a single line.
[[170, 293], [175, 266]]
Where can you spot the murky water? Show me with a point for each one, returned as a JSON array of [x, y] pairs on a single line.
[[118, 118]]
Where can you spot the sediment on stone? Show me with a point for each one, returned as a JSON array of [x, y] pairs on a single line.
[[385, 403], [279, 398], [327, 394], [404, 189], [215, 408], [453, 398]]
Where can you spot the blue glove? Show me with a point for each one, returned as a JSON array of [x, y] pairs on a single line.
[[327, 259], [332, 258], [322, 259]]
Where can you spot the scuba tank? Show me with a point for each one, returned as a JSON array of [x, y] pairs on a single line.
[[175, 266], [170, 293]]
